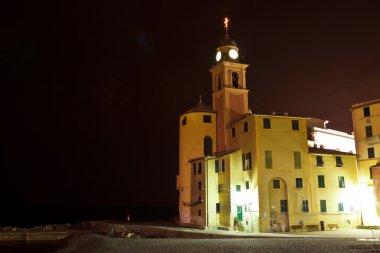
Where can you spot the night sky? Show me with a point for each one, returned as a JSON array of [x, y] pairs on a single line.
[[91, 91]]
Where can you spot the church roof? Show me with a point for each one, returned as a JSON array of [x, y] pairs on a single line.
[[200, 107], [227, 41]]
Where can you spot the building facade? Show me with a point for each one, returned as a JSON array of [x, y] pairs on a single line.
[[258, 172], [366, 123]]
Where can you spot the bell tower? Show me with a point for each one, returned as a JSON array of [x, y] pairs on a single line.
[[229, 93]]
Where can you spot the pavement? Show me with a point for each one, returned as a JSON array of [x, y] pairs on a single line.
[[168, 231]]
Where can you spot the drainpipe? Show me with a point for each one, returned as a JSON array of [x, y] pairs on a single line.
[[206, 192]]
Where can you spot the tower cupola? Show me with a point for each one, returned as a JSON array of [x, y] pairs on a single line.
[[227, 50]]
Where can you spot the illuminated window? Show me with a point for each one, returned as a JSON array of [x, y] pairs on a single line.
[[320, 160], [340, 207], [323, 207], [305, 206], [298, 183], [238, 188], [199, 185], [233, 132], [184, 121], [247, 161], [321, 181], [371, 152], [217, 207], [368, 131], [341, 182], [194, 168], [245, 126], [235, 80], [295, 125], [222, 167], [366, 111], [266, 123], [284, 205], [206, 118], [199, 168], [297, 160], [216, 166], [338, 161], [246, 184], [276, 184], [268, 159], [207, 146], [199, 212]]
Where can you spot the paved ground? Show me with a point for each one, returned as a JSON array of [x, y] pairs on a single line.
[[100, 244]]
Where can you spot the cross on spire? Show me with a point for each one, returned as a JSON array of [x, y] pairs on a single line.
[[226, 25]]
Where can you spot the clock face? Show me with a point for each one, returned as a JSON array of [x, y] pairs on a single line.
[[218, 56], [233, 54]]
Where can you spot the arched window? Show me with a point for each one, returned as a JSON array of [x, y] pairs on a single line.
[[207, 146], [219, 82], [235, 80]]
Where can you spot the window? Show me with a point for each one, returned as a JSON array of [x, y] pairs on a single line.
[[219, 82], [297, 160], [368, 131], [199, 185], [284, 205], [298, 183], [295, 125], [194, 168], [220, 188], [233, 132], [322, 204], [245, 126], [199, 212], [246, 184], [321, 181], [338, 161], [235, 80], [216, 166], [371, 153], [320, 160], [222, 167], [268, 159], [217, 207], [238, 188], [305, 206], [341, 182], [184, 121], [340, 207], [199, 168], [199, 199], [266, 123], [276, 184], [366, 111], [206, 118], [207, 146], [247, 161], [370, 172]]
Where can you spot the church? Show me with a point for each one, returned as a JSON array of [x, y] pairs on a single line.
[[263, 173]]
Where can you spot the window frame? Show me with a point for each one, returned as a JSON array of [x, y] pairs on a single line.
[[368, 131], [295, 125], [207, 118], [371, 152], [340, 207], [319, 160], [268, 159], [341, 182], [297, 160], [267, 123], [276, 184], [323, 206], [200, 168], [245, 126], [305, 206], [283, 205], [299, 183], [366, 111], [321, 181], [338, 161], [238, 188], [247, 185], [233, 132], [216, 166]]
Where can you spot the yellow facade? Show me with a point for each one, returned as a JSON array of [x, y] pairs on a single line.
[[366, 123], [261, 175]]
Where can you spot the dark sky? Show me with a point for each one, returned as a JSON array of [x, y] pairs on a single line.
[[92, 90]]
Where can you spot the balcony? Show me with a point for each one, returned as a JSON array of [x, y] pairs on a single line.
[[373, 140]]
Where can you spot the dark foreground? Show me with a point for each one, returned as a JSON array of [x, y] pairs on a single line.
[[100, 244]]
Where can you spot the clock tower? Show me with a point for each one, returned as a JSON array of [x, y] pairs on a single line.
[[229, 93]]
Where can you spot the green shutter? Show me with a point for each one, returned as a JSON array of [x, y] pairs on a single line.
[[216, 166]]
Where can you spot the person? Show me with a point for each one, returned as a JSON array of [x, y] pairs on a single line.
[[128, 217], [235, 223]]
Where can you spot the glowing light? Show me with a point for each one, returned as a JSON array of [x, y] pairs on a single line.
[[233, 54], [218, 56], [226, 22]]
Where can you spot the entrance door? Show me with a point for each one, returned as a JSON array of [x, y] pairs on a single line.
[[239, 213]]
